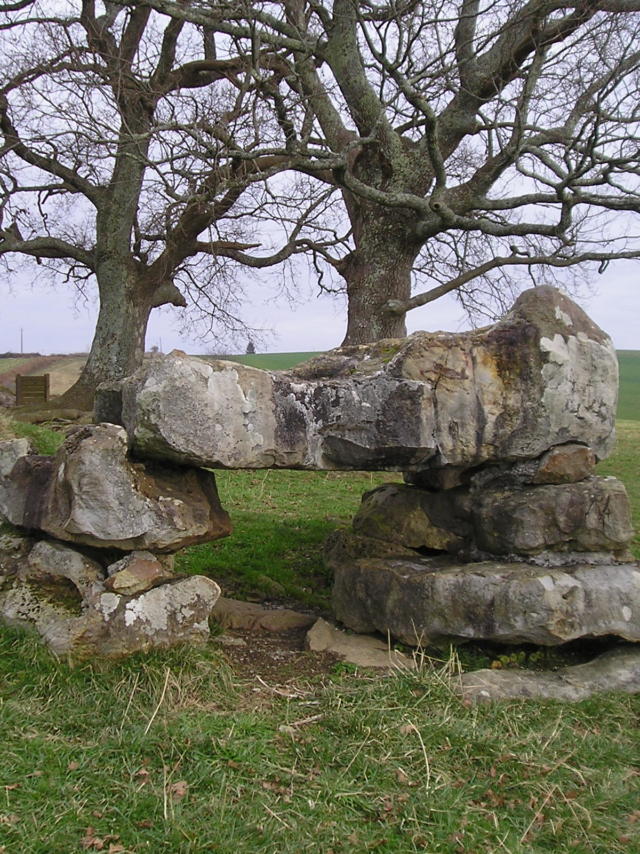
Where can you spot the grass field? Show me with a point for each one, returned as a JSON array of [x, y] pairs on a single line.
[[269, 361], [10, 364], [629, 400], [172, 753]]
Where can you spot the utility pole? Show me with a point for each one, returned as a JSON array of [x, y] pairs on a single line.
[[21, 340]]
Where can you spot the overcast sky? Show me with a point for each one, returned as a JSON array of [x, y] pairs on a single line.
[[53, 321]]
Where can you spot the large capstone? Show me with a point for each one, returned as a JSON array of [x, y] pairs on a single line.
[[544, 376], [92, 493]]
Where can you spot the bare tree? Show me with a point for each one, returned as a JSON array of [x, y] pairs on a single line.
[[474, 139], [134, 147]]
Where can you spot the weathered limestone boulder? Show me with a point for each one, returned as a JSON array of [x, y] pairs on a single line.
[[543, 376], [415, 518], [162, 617], [52, 563], [615, 670], [92, 493], [61, 594], [250, 616], [432, 600], [10, 452], [590, 516]]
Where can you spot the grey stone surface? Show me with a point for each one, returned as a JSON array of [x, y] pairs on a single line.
[[564, 464], [345, 546], [435, 600], [10, 452], [159, 618], [361, 650], [615, 670], [234, 614], [14, 549], [414, 518], [59, 593], [49, 561], [560, 464], [545, 375], [92, 493], [590, 516]]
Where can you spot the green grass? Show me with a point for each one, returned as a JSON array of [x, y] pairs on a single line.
[[44, 440], [281, 520], [629, 398], [10, 364], [624, 464], [170, 753]]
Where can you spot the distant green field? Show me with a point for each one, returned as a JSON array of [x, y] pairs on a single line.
[[10, 364], [629, 401], [270, 361]]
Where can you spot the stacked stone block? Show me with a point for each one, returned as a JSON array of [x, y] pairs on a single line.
[[496, 560]]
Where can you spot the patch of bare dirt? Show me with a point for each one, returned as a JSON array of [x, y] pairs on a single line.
[[65, 372], [278, 659]]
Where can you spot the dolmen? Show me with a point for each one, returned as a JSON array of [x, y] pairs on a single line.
[[498, 528]]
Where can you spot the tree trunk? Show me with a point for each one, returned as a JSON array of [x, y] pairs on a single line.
[[378, 270], [118, 343]]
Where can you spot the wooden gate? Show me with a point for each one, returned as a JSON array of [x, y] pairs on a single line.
[[32, 389]]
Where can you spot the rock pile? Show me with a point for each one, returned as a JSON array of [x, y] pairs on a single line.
[[523, 543], [109, 589]]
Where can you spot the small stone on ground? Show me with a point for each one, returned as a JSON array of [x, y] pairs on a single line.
[[361, 650], [615, 670]]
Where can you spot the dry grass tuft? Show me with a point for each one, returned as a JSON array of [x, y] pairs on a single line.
[[7, 426]]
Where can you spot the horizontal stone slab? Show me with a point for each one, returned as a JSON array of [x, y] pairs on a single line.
[[543, 376], [361, 650], [590, 516], [431, 601], [568, 463], [617, 669]]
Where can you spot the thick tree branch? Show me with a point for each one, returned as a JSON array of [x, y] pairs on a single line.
[[44, 247], [401, 307], [13, 143]]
